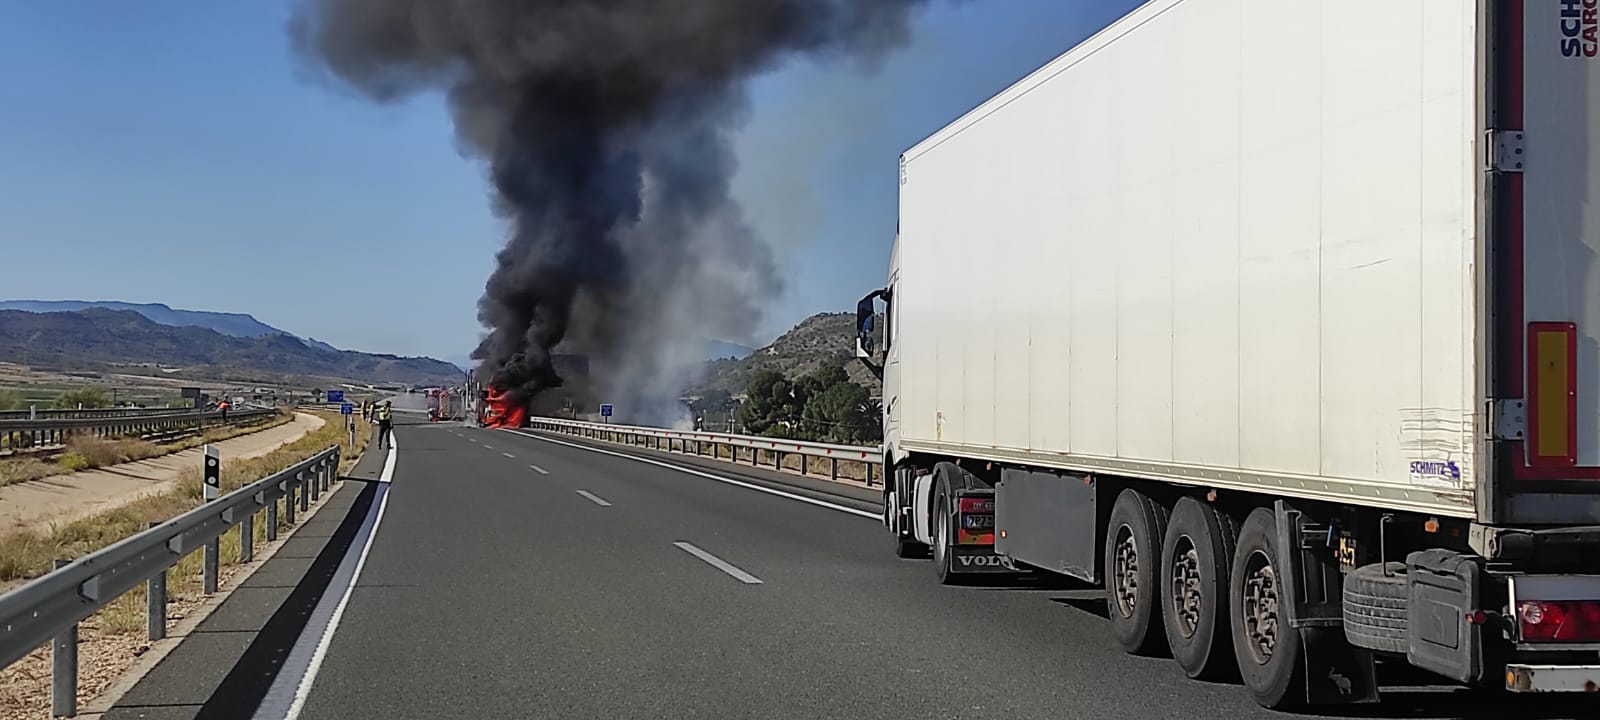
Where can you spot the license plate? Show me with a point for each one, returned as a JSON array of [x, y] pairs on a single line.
[[977, 522]]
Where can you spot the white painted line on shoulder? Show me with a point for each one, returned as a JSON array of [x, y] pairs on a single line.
[[719, 564], [286, 698], [709, 476], [594, 498], [538, 469]]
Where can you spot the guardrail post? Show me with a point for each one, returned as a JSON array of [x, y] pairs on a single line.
[[777, 459], [272, 521], [247, 537], [300, 479], [833, 468], [155, 603], [869, 474], [314, 479], [805, 464], [64, 669], [289, 488]]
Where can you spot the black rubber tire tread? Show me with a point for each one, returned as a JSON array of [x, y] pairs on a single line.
[[1280, 683], [943, 563], [1208, 653], [1374, 606], [1142, 633]]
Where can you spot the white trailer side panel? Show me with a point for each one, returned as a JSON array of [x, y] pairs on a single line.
[[1223, 241]]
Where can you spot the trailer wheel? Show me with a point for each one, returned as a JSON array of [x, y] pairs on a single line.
[[1268, 650], [1133, 577], [1197, 560], [1374, 605]]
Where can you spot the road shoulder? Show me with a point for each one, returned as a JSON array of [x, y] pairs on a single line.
[[221, 660]]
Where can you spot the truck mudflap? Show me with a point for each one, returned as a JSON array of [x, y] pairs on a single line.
[[1553, 678]]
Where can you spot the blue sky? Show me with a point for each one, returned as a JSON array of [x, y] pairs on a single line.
[[154, 154]]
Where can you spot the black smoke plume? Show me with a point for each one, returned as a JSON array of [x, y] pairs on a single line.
[[606, 126]]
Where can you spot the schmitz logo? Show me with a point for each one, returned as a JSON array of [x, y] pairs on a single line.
[[1580, 28]]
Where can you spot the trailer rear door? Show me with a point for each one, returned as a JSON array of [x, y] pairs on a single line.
[[1542, 149]]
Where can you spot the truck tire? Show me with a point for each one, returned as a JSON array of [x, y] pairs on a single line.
[[1132, 568], [943, 558], [1197, 564], [1374, 607], [1268, 650]]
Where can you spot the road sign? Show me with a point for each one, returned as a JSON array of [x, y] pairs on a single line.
[[605, 410], [346, 409], [336, 396]]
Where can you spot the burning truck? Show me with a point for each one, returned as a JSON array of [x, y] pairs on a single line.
[[502, 407]]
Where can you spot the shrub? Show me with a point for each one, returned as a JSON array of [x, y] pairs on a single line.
[[72, 462]]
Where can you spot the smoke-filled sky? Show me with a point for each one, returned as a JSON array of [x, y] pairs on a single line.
[[187, 158]]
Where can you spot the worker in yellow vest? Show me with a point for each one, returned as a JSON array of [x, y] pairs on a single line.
[[385, 423]]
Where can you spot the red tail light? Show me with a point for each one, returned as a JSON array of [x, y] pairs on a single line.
[[977, 505], [1565, 621]]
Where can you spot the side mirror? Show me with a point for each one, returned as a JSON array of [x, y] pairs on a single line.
[[866, 316]]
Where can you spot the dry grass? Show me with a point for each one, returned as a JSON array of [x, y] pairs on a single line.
[[111, 640], [85, 452]]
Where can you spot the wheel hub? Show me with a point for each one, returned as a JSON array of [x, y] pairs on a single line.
[[1260, 603], [1185, 587], [1125, 572]]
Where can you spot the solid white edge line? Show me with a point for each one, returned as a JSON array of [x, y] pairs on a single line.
[[318, 653], [708, 476], [538, 469], [719, 564], [596, 499]]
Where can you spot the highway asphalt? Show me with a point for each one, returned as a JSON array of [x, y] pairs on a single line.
[[515, 576]]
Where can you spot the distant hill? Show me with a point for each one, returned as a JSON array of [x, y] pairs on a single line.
[[817, 342], [719, 350], [98, 336], [235, 324]]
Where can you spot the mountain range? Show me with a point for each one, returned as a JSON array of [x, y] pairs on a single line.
[[235, 324], [100, 337]]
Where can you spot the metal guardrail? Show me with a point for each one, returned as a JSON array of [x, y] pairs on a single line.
[[58, 413], [52, 605], [44, 431], [697, 442]]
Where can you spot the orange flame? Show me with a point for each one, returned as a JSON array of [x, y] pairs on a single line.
[[499, 411]]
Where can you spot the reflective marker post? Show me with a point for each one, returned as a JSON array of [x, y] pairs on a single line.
[[212, 489]]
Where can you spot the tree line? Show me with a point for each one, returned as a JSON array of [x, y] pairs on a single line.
[[823, 406]]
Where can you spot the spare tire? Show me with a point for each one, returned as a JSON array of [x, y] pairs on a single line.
[[1375, 607]]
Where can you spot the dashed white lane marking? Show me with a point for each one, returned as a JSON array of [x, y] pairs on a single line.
[[538, 469], [719, 564], [596, 499]]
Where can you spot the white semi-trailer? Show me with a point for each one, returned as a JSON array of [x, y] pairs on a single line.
[[1282, 321]]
